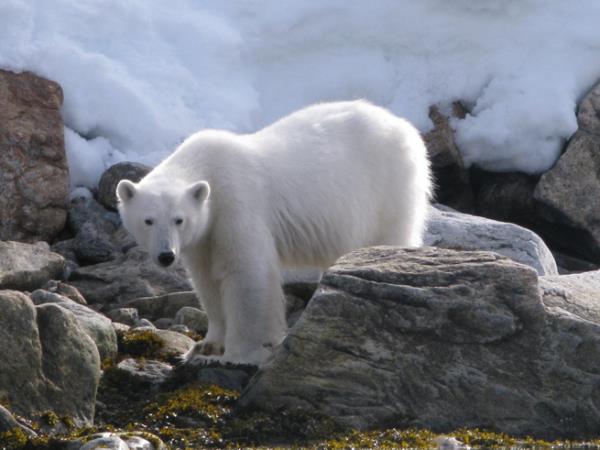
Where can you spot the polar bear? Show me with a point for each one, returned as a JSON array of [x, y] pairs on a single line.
[[303, 191]]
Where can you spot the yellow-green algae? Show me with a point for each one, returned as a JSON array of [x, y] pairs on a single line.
[[140, 343]]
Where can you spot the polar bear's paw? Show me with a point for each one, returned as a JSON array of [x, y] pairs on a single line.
[[203, 352]]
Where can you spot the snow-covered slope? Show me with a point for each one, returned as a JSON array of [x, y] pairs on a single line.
[[140, 75]]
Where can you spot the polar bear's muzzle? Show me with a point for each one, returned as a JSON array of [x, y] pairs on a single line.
[[166, 258]]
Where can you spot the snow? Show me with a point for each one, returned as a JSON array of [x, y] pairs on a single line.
[[139, 76]]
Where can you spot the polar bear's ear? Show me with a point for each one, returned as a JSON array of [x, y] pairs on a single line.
[[199, 191], [125, 190]]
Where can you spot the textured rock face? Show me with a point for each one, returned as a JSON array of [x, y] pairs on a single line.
[[28, 266], [33, 165], [567, 194], [107, 185], [452, 181], [94, 324], [577, 294], [450, 229], [48, 362], [439, 339]]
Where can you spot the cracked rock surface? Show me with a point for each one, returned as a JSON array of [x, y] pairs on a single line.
[[440, 339]]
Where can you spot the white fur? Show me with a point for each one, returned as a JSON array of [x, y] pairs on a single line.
[[318, 183]]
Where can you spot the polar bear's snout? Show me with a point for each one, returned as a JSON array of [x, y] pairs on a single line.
[[166, 258]]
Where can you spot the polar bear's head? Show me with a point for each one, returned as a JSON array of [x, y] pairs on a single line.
[[164, 218]]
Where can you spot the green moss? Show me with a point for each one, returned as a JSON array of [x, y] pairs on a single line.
[[13, 439], [207, 402], [140, 343], [50, 418]]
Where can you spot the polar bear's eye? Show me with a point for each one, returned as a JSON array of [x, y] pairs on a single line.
[[178, 221], [149, 222]]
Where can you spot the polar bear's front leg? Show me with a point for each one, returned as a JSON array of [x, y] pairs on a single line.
[[213, 344], [253, 303]]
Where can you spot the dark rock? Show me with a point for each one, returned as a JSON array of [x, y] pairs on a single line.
[[451, 177], [507, 197], [450, 229], [48, 362], [86, 209], [154, 308], [566, 199], [165, 323], [28, 266], [231, 378], [93, 244], [107, 185], [438, 339], [130, 276], [33, 164]]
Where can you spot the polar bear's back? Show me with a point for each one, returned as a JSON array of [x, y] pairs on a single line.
[[341, 176]]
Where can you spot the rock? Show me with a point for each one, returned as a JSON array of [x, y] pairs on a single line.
[[193, 318], [95, 325], [93, 244], [65, 248], [33, 166], [506, 196], [449, 173], [179, 328], [66, 290], [154, 308], [8, 423], [27, 267], [588, 114], [565, 200], [438, 339], [130, 276], [48, 362], [577, 294], [107, 185], [150, 342], [120, 327], [128, 316], [143, 323], [123, 441], [146, 374], [164, 323], [450, 229], [86, 209], [233, 378]]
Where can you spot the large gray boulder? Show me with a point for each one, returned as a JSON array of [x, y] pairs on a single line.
[[48, 361], [28, 266], [132, 275], [95, 325], [440, 339], [567, 193], [450, 229]]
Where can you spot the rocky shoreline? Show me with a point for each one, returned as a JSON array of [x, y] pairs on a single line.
[[484, 328]]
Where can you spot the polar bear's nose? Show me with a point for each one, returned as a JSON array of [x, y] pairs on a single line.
[[166, 258]]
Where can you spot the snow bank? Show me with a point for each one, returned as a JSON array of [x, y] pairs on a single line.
[[141, 75]]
